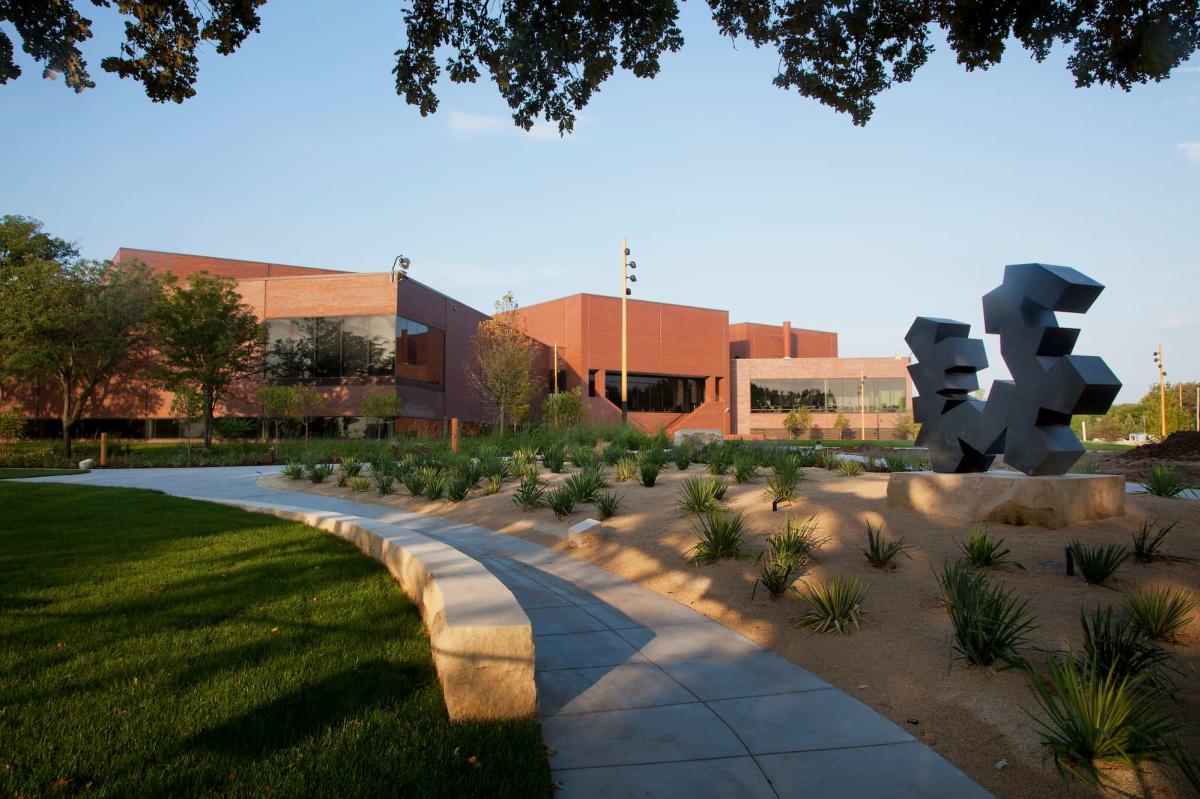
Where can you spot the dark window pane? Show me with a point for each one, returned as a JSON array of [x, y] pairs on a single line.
[[356, 336], [656, 393], [328, 337], [382, 355], [289, 350], [420, 351]]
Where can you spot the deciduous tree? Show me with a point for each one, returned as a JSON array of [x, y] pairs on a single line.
[[504, 363], [308, 403], [383, 406], [207, 338], [275, 403], [797, 422]]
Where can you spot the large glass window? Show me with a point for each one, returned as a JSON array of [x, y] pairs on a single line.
[[830, 395], [332, 349], [656, 393]]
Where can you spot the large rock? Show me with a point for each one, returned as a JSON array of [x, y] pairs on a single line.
[[1010, 497]]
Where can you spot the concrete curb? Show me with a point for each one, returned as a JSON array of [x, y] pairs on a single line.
[[481, 639]]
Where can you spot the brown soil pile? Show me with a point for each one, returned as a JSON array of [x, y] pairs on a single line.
[[1183, 445], [900, 662]]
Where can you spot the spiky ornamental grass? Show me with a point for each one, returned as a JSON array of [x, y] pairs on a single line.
[[608, 504], [350, 466], [983, 551], [1164, 481], [745, 467], [718, 535], [384, 482], [700, 494], [880, 551], [955, 581], [775, 576], [625, 468], [413, 481], [554, 457], [493, 484], [359, 484], [1148, 543], [681, 456], [1098, 562], [648, 472], [530, 494], [850, 467], [781, 489], [1161, 614], [458, 487], [832, 606], [990, 623], [1090, 717], [562, 501], [584, 485], [717, 460], [1114, 643], [797, 543], [895, 463], [294, 470], [435, 481]]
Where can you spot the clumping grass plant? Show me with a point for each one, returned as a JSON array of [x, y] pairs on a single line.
[[625, 468], [562, 501], [458, 487], [681, 456], [745, 467], [1148, 543], [881, 551], [384, 482], [359, 484], [983, 551], [832, 606], [648, 472], [608, 504], [850, 467], [1164, 481], [319, 472], [554, 457], [1114, 643], [1161, 614], [413, 481], [700, 494], [895, 463], [530, 493], [493, 484], [775, 576], [718, 535], [990, 623], [294, 470], [955, 581], [584, 485], [797, 543], [435, 482], [1098, 562]]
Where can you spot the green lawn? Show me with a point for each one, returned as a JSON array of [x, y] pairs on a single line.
[[13, 474], [155, 646], [1104, 446]]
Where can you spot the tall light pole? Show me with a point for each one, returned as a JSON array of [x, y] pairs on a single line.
[[1160, 361], [862, 404], [626, 279]]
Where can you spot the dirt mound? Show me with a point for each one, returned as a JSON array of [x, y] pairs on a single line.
[[1182, 446]]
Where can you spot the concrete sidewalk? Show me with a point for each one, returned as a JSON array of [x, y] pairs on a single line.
[[640, 695]]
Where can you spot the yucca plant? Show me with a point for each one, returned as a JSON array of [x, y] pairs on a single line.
[[435, 482], [584, 485], [681, 456], [413, 481], [359, 484], [383, 482], [1090, 717], [775, 576], [493, 483], [781, 489], [350, 466], [609, 455], [745, 467], [881, 551], [1098, 562], [457, 487], [982, 551], [828, 459], [700, 494], [530, 493], [1148, 542], [851, 468], [990, 623], [562, 501], [554, 457], [832, 606], [470, 470], [648, 472], [1160, 614], [319, 472], [955, 581], [718, 535], [1113, 643], [1164, 481], [625, 468], [895, 463], [608, 504], [294, 470], [796, 543], [717, 460], [491, 464]]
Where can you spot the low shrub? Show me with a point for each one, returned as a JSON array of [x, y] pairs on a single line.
[[608, 504], [319, 472], [294, 470], [681, 456], [827, 459], [781, 488], [584, 485], [458, 487], [990, 623], [413, 481], [351, 466], [530, 493], [1116, 644], [850, 467], [775, 576], [359, 484], [895, 463], [717, 460], [493, 484], [982, 551], [1098, 562], [700, 494], [718, 535], [1148, 543], [610, 455], [955, 581], [554, 457], [745, 467], [796, 543], [562, 501], [435, 482], [832, 606], [648, 472], [625, 468], [383, 482], [1160, 614], [1164, 481], [1090, 716], [880, 551]]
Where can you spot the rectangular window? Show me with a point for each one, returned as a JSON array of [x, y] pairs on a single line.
[[656, 393], [329, 350], [828, 395]]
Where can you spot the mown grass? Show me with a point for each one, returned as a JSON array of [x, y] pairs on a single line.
[[156, 646], [17, 474]]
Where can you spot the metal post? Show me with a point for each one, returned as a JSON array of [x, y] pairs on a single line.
[[104, 449], [862, 404], [624, 330], [1162, 393]]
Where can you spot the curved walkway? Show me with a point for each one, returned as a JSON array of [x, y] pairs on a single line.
[[640, 695]]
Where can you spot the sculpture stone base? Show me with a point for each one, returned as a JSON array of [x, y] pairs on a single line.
[[1010, 497]]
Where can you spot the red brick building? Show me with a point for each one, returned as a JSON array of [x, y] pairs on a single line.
[[350, 332]]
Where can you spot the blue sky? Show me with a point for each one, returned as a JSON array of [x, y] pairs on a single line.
[[734, 194]]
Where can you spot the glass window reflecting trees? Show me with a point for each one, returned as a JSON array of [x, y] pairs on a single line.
[[335, 349], [829, 395], [656, 393]]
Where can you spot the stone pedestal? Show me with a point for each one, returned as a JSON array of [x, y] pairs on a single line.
[[1010, 497]]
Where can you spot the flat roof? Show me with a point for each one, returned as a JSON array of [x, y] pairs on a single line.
[[617, 297], [780, 327]]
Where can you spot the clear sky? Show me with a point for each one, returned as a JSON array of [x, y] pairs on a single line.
[[734, 194]]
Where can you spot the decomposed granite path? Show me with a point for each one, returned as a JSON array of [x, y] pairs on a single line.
[[639, 695]]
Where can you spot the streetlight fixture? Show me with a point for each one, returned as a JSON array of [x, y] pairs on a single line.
[[1160, 362], [627, 266], [400, 268]]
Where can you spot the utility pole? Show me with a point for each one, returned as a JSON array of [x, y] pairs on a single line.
[[1160, 360], [626, 279]]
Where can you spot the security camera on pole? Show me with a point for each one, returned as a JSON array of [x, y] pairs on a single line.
[[626, 279]]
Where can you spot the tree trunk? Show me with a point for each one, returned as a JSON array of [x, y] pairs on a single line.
[[66, 421], [209, 402]]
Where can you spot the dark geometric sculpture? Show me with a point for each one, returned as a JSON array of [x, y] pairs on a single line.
[[1028, 418]]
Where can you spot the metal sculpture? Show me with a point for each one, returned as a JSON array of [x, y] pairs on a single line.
[[1028, 418]]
